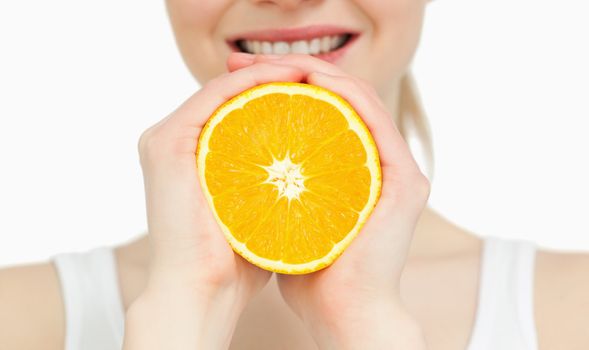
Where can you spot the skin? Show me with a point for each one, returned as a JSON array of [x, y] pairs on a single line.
[[203, 285], [431, 247]]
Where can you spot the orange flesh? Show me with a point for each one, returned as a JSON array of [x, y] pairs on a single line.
[[287, 176]]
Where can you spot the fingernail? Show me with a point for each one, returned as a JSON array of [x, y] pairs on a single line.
[[272, 57], [245, 56]]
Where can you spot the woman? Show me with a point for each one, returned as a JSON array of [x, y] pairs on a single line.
[[410, 280]]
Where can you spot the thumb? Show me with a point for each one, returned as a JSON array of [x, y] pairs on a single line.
[[237, 60]]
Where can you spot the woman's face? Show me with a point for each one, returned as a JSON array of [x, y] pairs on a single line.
[[385, 33]]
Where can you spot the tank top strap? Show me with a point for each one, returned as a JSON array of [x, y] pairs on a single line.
[[91, 296], [505, 314]]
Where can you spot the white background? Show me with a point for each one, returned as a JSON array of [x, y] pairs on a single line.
[[505, 85]]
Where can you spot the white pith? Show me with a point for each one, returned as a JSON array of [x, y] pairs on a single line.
[[287, 177], [355, 124]]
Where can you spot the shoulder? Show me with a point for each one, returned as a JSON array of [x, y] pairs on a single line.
[[562, 300], [31, 308]]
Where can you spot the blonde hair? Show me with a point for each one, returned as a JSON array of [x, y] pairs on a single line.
[[412, 114]]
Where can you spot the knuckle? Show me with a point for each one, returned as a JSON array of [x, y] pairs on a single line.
[[413, 190], [149, 145], [166, 143], [422, 186], [143, 141]]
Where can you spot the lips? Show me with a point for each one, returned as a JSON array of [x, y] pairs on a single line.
[[326, 42], [293, 34]]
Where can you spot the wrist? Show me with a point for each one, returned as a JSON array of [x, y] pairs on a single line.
[[177, 319], [385, 324]]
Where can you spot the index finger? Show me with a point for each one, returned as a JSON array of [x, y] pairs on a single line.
[[306, 62], [195, 111], [393, 150]]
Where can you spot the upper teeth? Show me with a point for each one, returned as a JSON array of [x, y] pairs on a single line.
[[309, 47]]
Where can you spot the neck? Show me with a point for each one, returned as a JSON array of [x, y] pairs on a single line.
[[435, 236], [390, 95]]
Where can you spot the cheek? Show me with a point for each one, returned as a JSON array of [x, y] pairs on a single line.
[[395, 37], [193, 23], [190, 13]]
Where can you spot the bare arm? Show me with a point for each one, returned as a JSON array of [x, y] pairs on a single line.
[[31, 308], [562, 300]]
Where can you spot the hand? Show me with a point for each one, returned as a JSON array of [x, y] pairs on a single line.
[[355, 303], [197, 285]]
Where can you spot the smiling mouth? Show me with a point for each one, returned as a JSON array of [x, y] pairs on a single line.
[[314, 46]]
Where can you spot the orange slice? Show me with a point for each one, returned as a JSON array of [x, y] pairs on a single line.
[[291, 173]]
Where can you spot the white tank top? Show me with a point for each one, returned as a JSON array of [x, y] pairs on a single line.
[[504, 317]]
